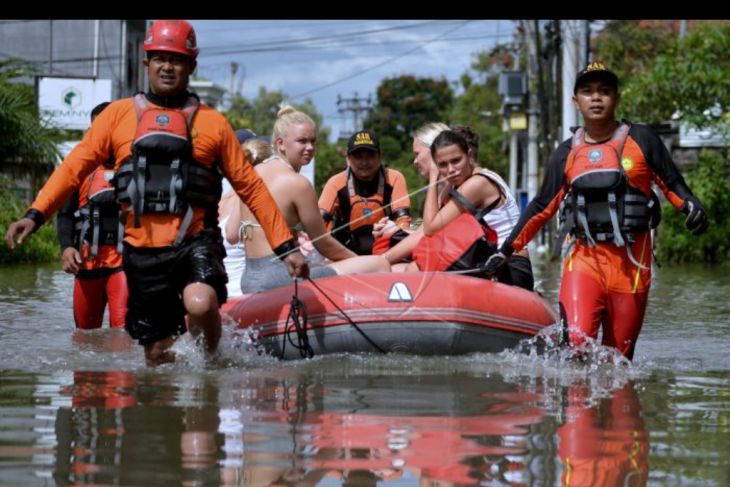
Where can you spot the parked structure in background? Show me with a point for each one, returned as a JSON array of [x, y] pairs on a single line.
[[107, 51], [102, 49]]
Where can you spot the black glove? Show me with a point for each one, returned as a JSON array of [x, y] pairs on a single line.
[[494, 262], [696, 221]]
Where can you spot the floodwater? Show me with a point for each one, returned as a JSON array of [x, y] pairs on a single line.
[[80, 408]]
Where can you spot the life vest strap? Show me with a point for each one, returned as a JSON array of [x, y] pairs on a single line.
[[96, 223], [613, 214], [175, 182], [184, 226], [580, 214]]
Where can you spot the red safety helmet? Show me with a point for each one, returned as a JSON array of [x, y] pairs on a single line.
[[172, 36]]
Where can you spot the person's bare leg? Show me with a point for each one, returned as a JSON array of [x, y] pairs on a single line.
[[158, 353], [361, 264], [201, 303]]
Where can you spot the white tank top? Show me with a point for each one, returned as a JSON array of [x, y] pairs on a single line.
[[504, 218], [235, 262]]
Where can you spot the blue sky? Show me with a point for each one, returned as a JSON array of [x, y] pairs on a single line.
[[323, 58]]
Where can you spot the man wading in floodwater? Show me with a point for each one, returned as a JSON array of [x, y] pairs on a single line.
[[167, 144]]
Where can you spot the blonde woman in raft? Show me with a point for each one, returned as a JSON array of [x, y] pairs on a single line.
[[293, 140]]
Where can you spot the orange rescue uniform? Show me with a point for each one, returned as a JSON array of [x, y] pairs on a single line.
[[602, 278], [345, 200], [214, 142]]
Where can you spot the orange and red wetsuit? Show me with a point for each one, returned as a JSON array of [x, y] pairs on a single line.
[[600, 283], [606, 444], [157, 270], [100, 279]]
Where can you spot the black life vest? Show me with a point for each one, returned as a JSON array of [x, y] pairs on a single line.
[[98, 217], [161, 175], [360, 213], [601, 205]]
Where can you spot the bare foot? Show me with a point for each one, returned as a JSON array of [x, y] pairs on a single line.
[[159, 353]]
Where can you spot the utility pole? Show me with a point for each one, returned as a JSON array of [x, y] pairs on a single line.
[[569, 71], [513, 140], [95, 69], [232, 83], [357, 106], [50, 47], [585, 44], [682, 28], [123, 61], [532, 111]]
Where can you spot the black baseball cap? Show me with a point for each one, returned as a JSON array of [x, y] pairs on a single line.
[[364, 139], [595, 70], [244, 134]]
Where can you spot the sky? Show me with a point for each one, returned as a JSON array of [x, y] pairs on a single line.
[[322, 59]]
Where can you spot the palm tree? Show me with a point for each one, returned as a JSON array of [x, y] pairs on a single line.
[[27, 146]]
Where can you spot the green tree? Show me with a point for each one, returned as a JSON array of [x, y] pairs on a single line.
[[329, 160], [668, 77], [629, 47], [259, 114], [709, 182], [26, 142], [238, 114], [406, 102], [479, 107], [42, 246]]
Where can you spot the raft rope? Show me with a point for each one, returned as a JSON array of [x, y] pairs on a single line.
[[419, 190], [298, 316], [349, 320]]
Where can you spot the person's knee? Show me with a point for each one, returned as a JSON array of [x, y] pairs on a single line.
[[200, 299]]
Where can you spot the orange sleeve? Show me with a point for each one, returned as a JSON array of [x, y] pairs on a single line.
[[79, 163], [328, 199], [399, 199], [251, 188], [674, 199]]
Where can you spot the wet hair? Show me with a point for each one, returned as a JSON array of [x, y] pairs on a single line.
[[471, 136], [447, 138], [257, 150], [98, 109], [428, 132], [287, 116]]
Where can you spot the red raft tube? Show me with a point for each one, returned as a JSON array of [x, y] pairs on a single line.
[[423, 313]]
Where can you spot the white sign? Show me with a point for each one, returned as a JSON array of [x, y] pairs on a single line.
[[67, 102]]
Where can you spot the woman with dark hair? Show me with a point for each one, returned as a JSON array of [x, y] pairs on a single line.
[[467, 189]]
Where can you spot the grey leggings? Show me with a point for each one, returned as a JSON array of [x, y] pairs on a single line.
[[268, 272]]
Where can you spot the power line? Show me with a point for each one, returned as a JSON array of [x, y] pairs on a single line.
[[339, 45], [375, 66], [278, 25], [218, 50]]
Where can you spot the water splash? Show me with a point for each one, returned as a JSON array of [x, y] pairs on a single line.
[[237, 348]]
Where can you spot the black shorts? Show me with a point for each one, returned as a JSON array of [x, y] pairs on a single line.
[[156, 278], [517, 272]]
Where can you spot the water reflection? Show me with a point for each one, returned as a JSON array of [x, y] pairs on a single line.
[[127, 428], [605, 444], [289, 427]]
